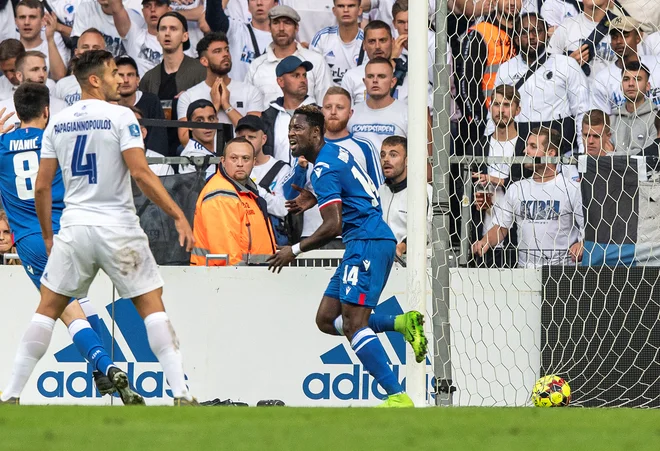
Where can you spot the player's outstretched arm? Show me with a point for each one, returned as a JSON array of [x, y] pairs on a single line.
[[151, 186], [327, 231], [43, 200]]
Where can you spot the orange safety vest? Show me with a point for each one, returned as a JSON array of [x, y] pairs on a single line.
[[230, 219], [500, 50]]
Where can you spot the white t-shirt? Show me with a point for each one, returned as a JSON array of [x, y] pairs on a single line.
[[274, 197], [159, 169], [143, 47], [339, 55], [243, 97], [499, 170], [90, 15], [569, 35], [196, 149], [56, 105], [554, 12], [606, 90], [241, 48], [6, 88], [376, 125], [88, 139], [238, 10], [549, 219], [314, 16], [68, 89], [382, 10], [65, 10]]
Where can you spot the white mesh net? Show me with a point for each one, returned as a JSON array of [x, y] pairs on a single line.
[[545, 238]]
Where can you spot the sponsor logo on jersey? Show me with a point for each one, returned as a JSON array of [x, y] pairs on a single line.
[[134, 130], [344, 378], [540, 210]]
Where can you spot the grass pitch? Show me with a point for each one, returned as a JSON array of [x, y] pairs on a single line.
[[236, 428]]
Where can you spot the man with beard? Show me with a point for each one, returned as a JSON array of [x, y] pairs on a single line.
[[547, 208], [262, 73], [492, 182], [555, 95], [232, 99]]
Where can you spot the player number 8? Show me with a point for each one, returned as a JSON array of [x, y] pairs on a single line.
[[26, 166]]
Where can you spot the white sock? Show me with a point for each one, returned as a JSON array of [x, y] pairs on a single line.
[[87, 307], [339, 325], [165, 346], [32, 347]]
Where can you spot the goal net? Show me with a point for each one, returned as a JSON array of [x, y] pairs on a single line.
[[545, 237]]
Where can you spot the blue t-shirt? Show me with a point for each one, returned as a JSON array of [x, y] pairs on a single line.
[[338, 178], [20, 151]]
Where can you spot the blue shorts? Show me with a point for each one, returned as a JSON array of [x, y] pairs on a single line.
[[32, 252], [363, 272]]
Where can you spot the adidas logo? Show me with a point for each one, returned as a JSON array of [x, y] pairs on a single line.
[[144, 372]]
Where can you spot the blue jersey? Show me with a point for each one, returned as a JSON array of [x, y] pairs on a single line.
[[20, 152], [338, 178]]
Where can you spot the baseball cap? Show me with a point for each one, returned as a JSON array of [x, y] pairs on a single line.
[[283, 11], [199, 103], [164, 2], [625, 23], [184, 22], [291, 63], [251, 122]]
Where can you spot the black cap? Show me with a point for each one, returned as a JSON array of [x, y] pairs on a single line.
[[252, 122], [184, 22], [199, 103], [164, 2], [291, 63]]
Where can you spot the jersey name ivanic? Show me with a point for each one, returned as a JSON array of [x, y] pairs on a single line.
[[338, 178]]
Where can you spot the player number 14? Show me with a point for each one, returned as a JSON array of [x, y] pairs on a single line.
[[367, 184]]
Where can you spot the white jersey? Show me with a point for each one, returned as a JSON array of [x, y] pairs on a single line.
[[197, 149], [274, 196], [500, 170], [143, 47], [554, 12], [88, 139], [68, 89], [606, 90], [159, 169], [243, 97], [241, 48], [65, 10], [569, 35], [382, 10], [90, 15], [314, 16], [353, 82], [549, 218], [238, 10], [340, 56], [376, 125]]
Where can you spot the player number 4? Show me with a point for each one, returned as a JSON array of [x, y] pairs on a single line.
[[83, 165], [26, 166]]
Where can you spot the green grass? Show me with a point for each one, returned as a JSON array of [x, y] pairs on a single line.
[[227, 428]]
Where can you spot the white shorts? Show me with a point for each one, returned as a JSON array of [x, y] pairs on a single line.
[[121, 252]]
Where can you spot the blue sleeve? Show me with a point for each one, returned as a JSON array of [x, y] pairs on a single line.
[[326, 186], [297, 176]]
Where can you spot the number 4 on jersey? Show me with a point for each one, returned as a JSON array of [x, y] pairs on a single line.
[[81, 164]]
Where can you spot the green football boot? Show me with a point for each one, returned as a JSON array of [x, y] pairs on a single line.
[[13, 401], [411, 325], [400, 400]]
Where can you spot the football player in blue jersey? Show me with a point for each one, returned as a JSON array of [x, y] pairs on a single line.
[[350, 207], [20, 152]]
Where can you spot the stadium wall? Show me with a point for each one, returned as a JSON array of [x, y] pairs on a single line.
[[248, 335]]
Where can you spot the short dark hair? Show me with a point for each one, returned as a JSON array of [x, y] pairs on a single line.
[[338, 91], [30, 100], [377, 25], [519, 21], [380, 60], [509, 92], [32, 4], [237, 140], [11, 48], [197, 104], [313, 116], [20, 60], [126, 60], [596, 117], [634, 66], [396, 140], [400, 6], [552, 137], [208, 39], [90, 63]]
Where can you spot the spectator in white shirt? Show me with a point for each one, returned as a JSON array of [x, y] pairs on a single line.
[[193, 11], [283, 27], [98, 14], [232, 99], [68, 88], [381, 115], [400, 22], [202, 140], [341, 45], [248, 40], [30, 17], [314, 16], [10, 49]]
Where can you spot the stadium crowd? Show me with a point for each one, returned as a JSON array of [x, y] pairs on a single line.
[[529, 77]]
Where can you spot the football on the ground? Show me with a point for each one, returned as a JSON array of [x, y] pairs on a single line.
[[551, 391]]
